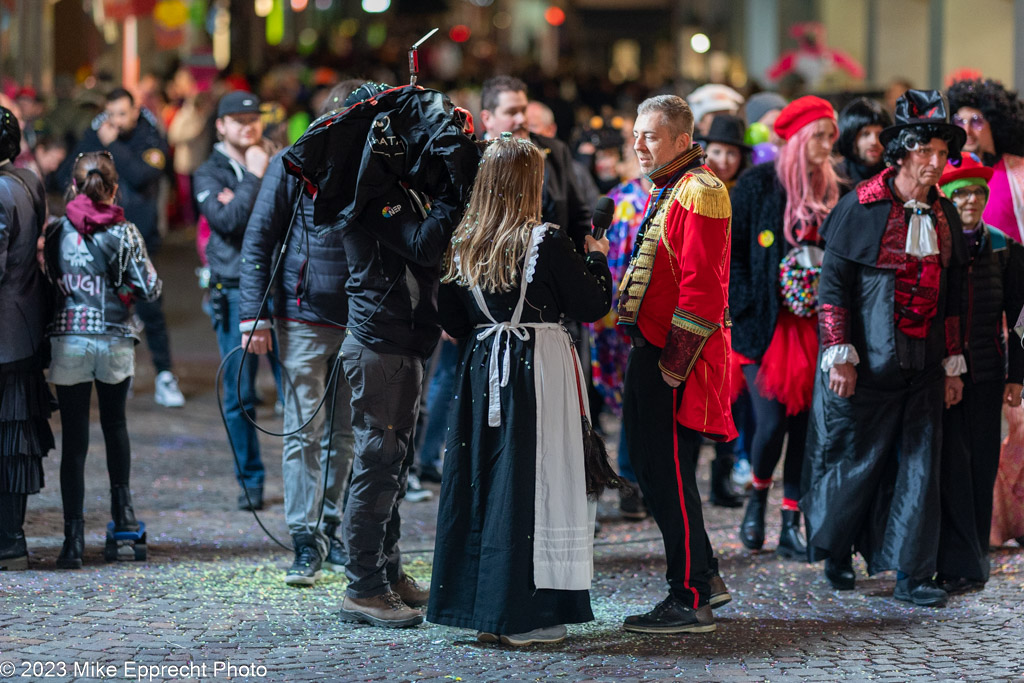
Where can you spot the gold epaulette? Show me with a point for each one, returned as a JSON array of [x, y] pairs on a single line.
[[704, 194]]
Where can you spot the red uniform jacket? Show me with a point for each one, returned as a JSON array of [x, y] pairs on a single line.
[[676, 291]]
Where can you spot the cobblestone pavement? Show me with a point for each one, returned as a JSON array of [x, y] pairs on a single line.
[[211, 595]]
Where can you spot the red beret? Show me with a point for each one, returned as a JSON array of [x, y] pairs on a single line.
[[969, 168], [800, 112]]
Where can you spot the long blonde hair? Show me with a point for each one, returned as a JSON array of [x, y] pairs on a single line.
[[504, 207]]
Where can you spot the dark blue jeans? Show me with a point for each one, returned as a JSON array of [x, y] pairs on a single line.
[[439, 400], [224, 314]]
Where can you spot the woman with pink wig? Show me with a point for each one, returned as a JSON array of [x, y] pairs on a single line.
[[776, 258]]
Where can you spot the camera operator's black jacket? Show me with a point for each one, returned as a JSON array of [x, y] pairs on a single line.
[[394, 272]]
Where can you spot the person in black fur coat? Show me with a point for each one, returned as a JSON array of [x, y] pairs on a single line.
[[777, 208]]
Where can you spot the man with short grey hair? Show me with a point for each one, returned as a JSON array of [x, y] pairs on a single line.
[[674, 300]]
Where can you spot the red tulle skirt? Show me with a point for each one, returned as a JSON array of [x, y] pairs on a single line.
[[788, 365]]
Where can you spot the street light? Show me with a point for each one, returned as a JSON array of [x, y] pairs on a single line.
[[700, 43], [376, 6]]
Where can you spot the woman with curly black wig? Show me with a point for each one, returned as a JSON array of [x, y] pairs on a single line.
[[994, 120], [860, 123]]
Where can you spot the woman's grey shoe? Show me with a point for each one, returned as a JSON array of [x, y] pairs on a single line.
[[548, 634]]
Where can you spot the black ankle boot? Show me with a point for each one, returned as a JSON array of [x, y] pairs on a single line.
[[13, 551], [722, 494], [752, 528], [121, 510], [74, 545], [791, 540], [839, 572]]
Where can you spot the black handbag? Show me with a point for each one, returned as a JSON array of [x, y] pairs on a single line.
[[597, 468]]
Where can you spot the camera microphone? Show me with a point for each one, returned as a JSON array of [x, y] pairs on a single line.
[[602, 218]]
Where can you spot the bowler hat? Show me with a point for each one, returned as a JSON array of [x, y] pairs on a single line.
[[727, 130], [924, 108]]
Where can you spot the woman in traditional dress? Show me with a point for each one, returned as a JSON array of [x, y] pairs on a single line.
[[776, 253], [25, 436], [514, 552]]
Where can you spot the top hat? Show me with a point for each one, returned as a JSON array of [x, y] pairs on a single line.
[[921, 108], [727, 130]]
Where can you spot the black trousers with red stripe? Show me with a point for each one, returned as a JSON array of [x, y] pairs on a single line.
[[664, 454]]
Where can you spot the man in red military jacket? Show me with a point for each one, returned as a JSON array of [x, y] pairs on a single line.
[[674, 298]]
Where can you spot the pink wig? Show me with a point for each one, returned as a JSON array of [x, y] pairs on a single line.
[[811, 191]]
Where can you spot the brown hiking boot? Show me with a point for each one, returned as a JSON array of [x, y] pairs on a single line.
[[385, 610], [719, 593], [410, 592]]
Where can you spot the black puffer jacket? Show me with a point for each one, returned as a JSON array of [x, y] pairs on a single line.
[[227, 221], [311, 284], [758, 245], [995, 285], [23, 291]]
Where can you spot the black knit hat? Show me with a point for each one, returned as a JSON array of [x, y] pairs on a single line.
[[10, 135], [855, 116]]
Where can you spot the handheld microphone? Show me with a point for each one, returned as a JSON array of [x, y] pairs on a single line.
[[603, 212]]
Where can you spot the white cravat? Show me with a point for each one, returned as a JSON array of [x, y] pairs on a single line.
[[921, 238]]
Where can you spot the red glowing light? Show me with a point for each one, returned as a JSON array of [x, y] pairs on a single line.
[[459, 33], [554, 16]]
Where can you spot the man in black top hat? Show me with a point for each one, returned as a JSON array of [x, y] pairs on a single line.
[[891, 360]]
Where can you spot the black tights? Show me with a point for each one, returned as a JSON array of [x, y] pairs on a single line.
[[74, 420], [771, 427]]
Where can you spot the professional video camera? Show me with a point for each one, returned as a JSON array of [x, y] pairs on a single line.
[[385, 150]]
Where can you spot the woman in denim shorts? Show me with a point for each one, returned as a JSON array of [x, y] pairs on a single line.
[[97, 260]]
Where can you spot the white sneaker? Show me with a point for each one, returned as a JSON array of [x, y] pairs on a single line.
[[549, 634], [741, 473], [166, 391], [414, 491]]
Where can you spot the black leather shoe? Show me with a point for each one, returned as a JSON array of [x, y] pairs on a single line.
[[250, 499], [923, 593], [840, 574], [672, 616], [958, 584], [722, 494], [791, 540], [752, 528], [430, 474], [74, 545]]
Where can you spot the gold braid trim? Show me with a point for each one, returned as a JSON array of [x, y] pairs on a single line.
[[704, 194]]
